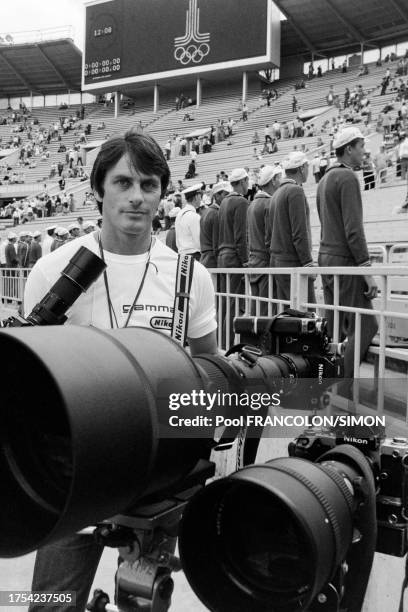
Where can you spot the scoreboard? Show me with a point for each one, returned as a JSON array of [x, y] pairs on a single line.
[[130, 41]]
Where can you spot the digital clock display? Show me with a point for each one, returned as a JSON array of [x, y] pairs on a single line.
[[105, 67], [103, 31]]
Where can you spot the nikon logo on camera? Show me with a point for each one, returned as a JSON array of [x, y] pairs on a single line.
[[161, 323]]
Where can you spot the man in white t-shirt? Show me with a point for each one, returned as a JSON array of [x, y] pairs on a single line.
[[129, 177]]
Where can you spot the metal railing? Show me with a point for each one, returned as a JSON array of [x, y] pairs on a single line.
[[12, 283], [384, 308]]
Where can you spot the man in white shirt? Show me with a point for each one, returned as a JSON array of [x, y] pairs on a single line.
[[49, 239], [188, 223], [129, 177]]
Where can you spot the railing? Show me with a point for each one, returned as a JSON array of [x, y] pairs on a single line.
[[12, 283], [385, 308]]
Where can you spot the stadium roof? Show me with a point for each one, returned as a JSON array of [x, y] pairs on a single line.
[[337, 27], [322, 27], [45, 68]]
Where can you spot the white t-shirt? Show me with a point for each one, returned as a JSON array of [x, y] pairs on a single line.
[[188, 230], [154, 308]]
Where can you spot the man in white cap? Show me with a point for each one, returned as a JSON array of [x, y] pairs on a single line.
[[209, 225], [35, 251], [259, 234], [49, 239], [10, 251], [88, 227], [74, 230], [343, 242], [232, 242], [291, 238], [188, 223], [61, 237]]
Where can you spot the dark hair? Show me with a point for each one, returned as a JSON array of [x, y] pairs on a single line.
[[144, 153], [340, 151]]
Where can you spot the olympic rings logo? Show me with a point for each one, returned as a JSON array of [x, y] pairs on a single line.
[[192, 53]]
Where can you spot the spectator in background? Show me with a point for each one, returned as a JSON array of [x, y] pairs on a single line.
[[381, 161], [22, 249], [232, 241], [368, 172], [88, 227], [209, 225], [191, 171], [35, 251], [171, 232], [343, 242], [74, 230], [187, 223], [291, 239], [244, 112], [10, 251], [324, 163], [294, 104], [316, 167], [403, 156], [167, 149], [61, 236], [259, 235], [49, 239]]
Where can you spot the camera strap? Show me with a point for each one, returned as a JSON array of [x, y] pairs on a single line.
[[184, 277]]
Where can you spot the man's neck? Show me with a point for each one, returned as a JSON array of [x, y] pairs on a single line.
[[124, 244]]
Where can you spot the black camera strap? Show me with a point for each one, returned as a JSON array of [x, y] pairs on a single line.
[[184, 277]]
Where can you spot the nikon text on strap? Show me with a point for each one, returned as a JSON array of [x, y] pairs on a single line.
[[185, 267]]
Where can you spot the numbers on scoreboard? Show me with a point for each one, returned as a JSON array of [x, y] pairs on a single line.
[[105, 66], [105, 31]]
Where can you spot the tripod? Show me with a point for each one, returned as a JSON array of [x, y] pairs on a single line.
[[146, 541]]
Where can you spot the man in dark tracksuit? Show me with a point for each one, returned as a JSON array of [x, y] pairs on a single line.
[[11, 262], [291, 241], [10, 251], [232, 244], [209, 226], [259, 237], [343, 242], [35, 251], [22, 249]]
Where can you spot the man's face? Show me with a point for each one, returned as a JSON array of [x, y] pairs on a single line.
[[196, 202], [220, 196], [357, 153], [130, 200]]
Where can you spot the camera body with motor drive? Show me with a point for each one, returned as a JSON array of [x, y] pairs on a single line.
[[388, 459]]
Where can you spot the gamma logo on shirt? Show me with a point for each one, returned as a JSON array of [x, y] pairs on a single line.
[[163, 323]]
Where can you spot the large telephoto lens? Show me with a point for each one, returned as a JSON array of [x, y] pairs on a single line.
[[268, 537], [80, 273], [85, 435]]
